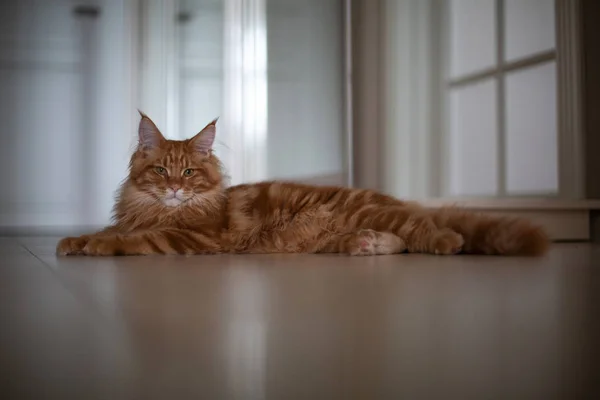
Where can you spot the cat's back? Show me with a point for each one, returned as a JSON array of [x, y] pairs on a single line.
[[285, 196], [284, 216]]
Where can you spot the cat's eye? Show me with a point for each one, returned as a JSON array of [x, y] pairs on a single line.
[[160, 170], [188, 172]]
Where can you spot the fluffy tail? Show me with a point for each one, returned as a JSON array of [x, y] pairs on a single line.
[[487, 234]]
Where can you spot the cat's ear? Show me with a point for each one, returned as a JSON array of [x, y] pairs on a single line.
[[204, 140], [149, 135]]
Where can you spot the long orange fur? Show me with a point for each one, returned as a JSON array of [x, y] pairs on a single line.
[[174, 201]]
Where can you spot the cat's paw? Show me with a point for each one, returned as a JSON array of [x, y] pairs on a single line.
[[447, 242], [368, 242], [71, 246], [364, 243], [103, 246]]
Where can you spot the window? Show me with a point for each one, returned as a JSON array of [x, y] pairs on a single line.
[[501, 92]]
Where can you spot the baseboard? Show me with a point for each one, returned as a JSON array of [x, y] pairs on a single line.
[[564, 220], [514, 203]]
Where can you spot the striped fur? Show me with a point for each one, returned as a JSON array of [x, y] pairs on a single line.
[[175, 202]]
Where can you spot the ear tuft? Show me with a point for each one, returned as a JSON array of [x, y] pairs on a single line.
[[204, 140], [149, 134]]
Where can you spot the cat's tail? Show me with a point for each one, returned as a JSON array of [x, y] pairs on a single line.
[[494, 235]]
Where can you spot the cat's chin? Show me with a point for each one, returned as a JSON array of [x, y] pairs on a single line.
[[172, 202]]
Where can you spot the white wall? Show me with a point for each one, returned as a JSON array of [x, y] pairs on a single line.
[[411, 99]]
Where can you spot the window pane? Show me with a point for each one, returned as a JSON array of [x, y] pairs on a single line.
[[473, 36], [529, 27], [532, 159], [473, 143]]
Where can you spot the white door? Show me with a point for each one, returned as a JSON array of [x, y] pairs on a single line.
[[66, 104], [42, 76]]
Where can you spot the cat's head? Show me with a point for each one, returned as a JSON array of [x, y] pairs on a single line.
[[174, 172]]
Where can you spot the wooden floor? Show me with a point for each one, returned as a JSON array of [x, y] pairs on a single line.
[[298, 326]]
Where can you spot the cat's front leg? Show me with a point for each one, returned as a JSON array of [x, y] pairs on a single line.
[[423, 236], [365, 242], [74, 245], [169, 241]]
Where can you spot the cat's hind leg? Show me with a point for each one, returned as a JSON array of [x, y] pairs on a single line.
[[423, 236], [418, 230], [368, 242], [365, 242]]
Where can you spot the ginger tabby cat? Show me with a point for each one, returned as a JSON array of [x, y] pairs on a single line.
[[175, 202]]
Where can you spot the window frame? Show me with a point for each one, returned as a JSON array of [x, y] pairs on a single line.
[[568, 60]]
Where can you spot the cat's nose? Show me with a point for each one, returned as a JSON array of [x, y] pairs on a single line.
[[175, 188]]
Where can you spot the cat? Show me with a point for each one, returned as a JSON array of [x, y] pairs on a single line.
[[175, 201]]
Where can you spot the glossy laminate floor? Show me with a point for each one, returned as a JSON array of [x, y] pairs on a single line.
[[298, 326]]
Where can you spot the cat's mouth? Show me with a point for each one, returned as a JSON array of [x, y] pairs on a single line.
[[174, 199], [172, 202]]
